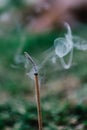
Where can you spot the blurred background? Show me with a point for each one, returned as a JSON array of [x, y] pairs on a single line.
[[32, 26]]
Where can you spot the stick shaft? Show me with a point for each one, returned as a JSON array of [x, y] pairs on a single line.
[[38, 102]]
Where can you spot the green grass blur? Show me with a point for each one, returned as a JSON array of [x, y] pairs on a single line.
[[21, 114]]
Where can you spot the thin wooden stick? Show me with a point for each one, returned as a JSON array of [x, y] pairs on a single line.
[[38, 102], [37, 90]]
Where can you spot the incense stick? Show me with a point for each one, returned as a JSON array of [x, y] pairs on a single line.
[[37, 89]]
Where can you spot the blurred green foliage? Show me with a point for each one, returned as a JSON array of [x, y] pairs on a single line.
[[23, 116], [13, 81]]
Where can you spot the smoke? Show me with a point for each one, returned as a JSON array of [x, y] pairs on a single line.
[[40, 65], [63, 47], [80, 43], [19, 58], [29, 71]]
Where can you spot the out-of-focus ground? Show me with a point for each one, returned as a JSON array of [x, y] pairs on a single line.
[[32, 26]]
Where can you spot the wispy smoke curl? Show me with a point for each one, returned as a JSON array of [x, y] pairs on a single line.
[[61, 48]]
